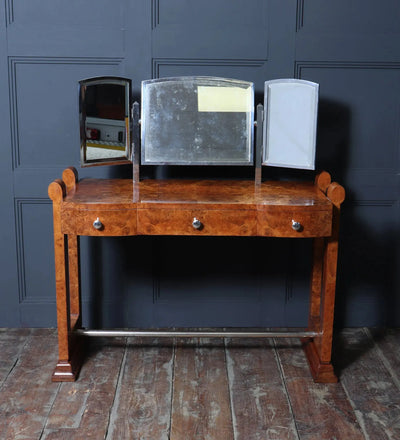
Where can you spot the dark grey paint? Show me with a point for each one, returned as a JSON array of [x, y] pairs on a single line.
[[352, 49]]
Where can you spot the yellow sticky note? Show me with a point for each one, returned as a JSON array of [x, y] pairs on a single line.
[[223, 99]]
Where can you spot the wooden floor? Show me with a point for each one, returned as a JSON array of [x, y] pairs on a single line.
[[206, 390]]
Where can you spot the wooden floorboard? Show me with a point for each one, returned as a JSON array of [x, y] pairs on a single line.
[[82, 408], [12, 342], [27, 396], [321, 411], [201, 401], [142, 408], [259, 400], [369, 382], [200, 389]]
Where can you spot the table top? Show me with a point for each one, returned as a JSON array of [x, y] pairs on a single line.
[[232, 194], [119, 207]]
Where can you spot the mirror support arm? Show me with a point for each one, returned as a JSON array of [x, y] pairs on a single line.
[[135, 142]]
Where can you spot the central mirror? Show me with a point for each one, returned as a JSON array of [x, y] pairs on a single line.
[[105, 123], [197, 121]]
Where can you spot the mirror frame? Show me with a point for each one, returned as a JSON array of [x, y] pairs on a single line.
[[102, 80]]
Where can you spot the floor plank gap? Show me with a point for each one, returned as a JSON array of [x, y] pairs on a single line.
[[359, 415], [282, 375], [17, 349], [50, 409], [9, 373], [230, 388], [172, 388], [114, 405]]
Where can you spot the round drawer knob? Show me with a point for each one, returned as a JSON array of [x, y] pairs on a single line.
[[196, 223], [296, 225], [97, 224]]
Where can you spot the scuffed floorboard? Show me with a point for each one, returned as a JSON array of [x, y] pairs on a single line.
[[148, 389]]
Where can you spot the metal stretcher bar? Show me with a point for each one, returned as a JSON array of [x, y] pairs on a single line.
[[198, 334]]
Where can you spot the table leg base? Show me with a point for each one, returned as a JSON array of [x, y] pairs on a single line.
[[68, 371], [322, 372]]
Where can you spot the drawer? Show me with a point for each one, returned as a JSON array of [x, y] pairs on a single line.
[[164, 221], [112, 222], [291, 222]]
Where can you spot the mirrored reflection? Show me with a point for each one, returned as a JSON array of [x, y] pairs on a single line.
[[105, 126], [197, 121]]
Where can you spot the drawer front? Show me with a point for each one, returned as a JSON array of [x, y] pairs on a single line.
[[292, 222], [196, 222], [109, 223]]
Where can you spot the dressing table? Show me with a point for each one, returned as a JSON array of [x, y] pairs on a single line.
[[125, 207]]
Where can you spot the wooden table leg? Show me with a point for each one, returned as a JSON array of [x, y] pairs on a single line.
[[70, 179], [314, 319], [74, 281], [67, 291], [318, 350], [322, 299]]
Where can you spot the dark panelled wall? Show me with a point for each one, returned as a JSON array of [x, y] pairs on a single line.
[[351, 48]]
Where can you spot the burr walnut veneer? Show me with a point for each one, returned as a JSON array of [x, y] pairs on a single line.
[[119, 207]]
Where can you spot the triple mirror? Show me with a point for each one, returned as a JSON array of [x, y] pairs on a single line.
[[197, 121]]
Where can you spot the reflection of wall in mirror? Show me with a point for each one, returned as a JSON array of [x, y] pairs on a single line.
[[106, 101], [224, 99], [106, 130]]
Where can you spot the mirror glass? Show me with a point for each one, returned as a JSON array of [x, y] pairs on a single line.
[[197, 121], [290, 123], [105, 127]]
